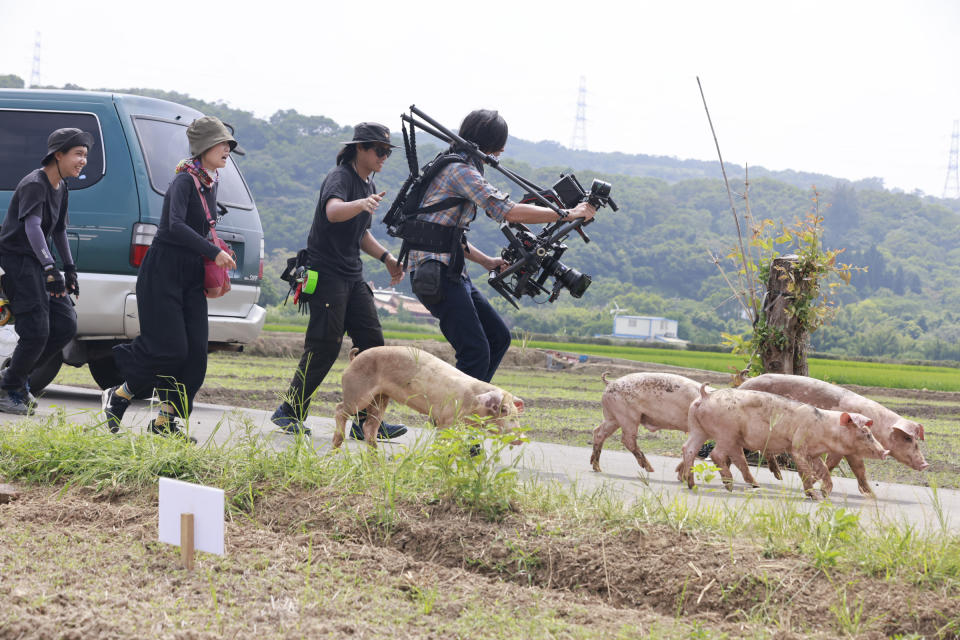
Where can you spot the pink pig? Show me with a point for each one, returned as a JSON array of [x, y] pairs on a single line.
[[424, 383], [894, 432], [655, 400], [772, 424]]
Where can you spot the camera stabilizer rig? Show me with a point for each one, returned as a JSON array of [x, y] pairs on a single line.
[[532, 258]]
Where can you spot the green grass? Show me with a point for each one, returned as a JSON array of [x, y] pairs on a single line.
[[59, 451], [870, 374]]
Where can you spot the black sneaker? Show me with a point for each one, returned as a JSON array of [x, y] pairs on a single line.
[[706, 449], [114, 406], [24, 392], [14, 402], [386, 431], [170, 429], [287, 422]]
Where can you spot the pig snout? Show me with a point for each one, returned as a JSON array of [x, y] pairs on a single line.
[[923, 467]]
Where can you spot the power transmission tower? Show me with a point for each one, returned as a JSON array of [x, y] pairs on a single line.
[[35, 71], [951, 188], [579, 140]]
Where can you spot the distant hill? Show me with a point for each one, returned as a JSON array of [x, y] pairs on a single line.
[[651, 257]]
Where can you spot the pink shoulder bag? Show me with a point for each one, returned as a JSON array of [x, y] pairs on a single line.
[[216, 279]]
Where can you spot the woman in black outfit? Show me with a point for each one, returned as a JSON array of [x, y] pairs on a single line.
[[170, 354]]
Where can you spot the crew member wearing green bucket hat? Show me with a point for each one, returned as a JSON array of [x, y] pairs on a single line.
[[341, 301], [170, 354]]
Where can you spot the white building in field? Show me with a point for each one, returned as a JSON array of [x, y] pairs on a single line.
[[647, 328]]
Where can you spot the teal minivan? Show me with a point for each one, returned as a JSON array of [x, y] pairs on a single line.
[[115, 207]]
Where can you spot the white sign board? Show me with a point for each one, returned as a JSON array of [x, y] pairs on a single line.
[[206, 505]]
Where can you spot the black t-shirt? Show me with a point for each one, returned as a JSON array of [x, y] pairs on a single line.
[[333, 248], [33, 196]]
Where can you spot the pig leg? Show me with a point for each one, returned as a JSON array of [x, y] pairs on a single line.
[[350, 406], [600, 434], [807, 474], [773, 466], [374, 416], [740, 461], [340, 416], [856, 465], [694, 441], [629, 439], [722, 460], [826, 481]]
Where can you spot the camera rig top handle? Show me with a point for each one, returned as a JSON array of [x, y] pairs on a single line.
[[441, 132]]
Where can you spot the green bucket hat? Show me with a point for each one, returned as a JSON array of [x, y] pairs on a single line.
[[208, 131]]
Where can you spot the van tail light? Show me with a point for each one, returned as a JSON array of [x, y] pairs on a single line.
[[260, 274], [143, 235]]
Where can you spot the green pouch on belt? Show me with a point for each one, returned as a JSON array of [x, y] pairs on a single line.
[[310, 282]]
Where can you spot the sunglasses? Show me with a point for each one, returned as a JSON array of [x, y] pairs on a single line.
[[383, 152]]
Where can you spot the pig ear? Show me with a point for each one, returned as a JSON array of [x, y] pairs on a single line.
[[491, 400], [910, 430], [518, 403]]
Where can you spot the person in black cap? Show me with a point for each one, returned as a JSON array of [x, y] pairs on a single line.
[[342, 300], [170, 354], [45, 320]]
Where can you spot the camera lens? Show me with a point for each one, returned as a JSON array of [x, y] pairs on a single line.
[[574, 281]]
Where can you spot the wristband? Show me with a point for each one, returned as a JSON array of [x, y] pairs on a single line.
[[383, 258]]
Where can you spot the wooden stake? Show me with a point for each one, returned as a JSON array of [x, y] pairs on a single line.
[[186, 540]]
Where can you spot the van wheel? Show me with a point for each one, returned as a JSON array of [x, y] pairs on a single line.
[[105, 372], [44, 375]]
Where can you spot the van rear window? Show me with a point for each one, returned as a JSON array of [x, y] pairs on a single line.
[[164, 144], [23, 144]]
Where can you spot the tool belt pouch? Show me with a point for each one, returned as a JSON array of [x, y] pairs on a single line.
[[427, 281]]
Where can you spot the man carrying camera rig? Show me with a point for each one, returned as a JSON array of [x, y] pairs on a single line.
[[341, 300], [470, 324]]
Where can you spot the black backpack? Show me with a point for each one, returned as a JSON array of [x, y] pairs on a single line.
[[401, 218]]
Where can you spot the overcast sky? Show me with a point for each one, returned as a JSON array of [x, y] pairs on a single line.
[[849, 88]]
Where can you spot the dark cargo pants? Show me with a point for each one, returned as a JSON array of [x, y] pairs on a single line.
[[43, 323], [337, 306]]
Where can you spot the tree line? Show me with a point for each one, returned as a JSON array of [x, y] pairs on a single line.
[[651, 258]]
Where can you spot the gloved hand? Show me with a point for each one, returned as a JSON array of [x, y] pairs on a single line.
[[53, 281], [70, 276]]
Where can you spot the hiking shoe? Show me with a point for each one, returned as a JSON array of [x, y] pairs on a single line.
[[114, 406], [170, 429], [287, 422], [25, 391], [706, 449], [14, 402], [386, 431]]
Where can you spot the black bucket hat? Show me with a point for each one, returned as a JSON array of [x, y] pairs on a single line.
[[64, 139], [371, 132]]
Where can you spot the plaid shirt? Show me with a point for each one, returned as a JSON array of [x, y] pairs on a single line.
[[460, 179]]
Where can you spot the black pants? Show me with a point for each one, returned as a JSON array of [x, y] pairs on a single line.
[[336, 306], [170, 354], [43, 323], [473, 328]]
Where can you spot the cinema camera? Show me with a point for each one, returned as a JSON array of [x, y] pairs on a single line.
[[532, 257]]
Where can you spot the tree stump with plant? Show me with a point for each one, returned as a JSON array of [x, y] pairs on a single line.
[[784, 339]]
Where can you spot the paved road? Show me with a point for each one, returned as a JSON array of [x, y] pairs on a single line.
[[566, 464]]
